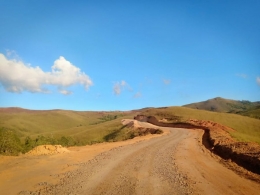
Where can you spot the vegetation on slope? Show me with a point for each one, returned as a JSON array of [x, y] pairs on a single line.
[[253, 112], [246, 108], [21, 130], [246, 129], [10, 143]]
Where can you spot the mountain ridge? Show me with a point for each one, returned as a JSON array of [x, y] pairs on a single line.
[[219, 104]]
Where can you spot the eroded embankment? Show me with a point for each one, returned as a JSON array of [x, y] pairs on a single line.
[[245, 154], [217, 139]]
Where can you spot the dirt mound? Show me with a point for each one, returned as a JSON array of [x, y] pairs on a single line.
[[47, 150], [153, 120], [141, 131], [137, 130], [130, 123]]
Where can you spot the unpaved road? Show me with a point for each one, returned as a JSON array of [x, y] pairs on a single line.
[[175, 163]]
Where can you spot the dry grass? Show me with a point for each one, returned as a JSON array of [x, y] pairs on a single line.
[[247, 129], [246, 108], [85, 127]]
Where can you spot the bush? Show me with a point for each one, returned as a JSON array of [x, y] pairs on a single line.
[[10, 144], [66, 141]]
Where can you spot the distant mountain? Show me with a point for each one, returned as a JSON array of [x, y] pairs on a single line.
[[244, 107]]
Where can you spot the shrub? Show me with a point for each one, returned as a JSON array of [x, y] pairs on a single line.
[[10, 144]]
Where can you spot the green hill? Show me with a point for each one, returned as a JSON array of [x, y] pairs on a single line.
[[253, 112], [21, 129], [246, 108], [246, 129], [63, 127]]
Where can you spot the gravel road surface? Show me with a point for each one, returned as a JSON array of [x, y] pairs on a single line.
[[175, 163]]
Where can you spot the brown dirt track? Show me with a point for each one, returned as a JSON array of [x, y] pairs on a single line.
[[173, 163]]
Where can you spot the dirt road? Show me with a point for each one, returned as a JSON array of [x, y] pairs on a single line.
[[175, 163]]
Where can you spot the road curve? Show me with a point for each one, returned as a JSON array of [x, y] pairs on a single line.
[[175, 163]]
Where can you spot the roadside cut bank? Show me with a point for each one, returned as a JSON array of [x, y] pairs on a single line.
[[216, 138]]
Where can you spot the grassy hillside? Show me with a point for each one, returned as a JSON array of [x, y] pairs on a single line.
[[247, 129], [59, 127], [21, 129], [247, 108], [253, 112]]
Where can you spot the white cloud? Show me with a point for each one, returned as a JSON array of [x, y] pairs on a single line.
[[15, 76], [123, 83], [258, 80], [244, 76], [166, 81], [12, 54], [119, 86], [138, 95], [65, 92]]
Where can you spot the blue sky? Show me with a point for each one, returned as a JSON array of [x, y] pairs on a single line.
[[123, 55]]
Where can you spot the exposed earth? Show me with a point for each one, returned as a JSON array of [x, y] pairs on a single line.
[[175, 162]]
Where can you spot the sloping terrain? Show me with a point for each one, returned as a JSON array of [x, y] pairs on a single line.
[[22, 130], [245, 154], [251, 112], [174, 163], [246, 129], [46, 122], [171, 164], [247, 108], [217, 138]]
